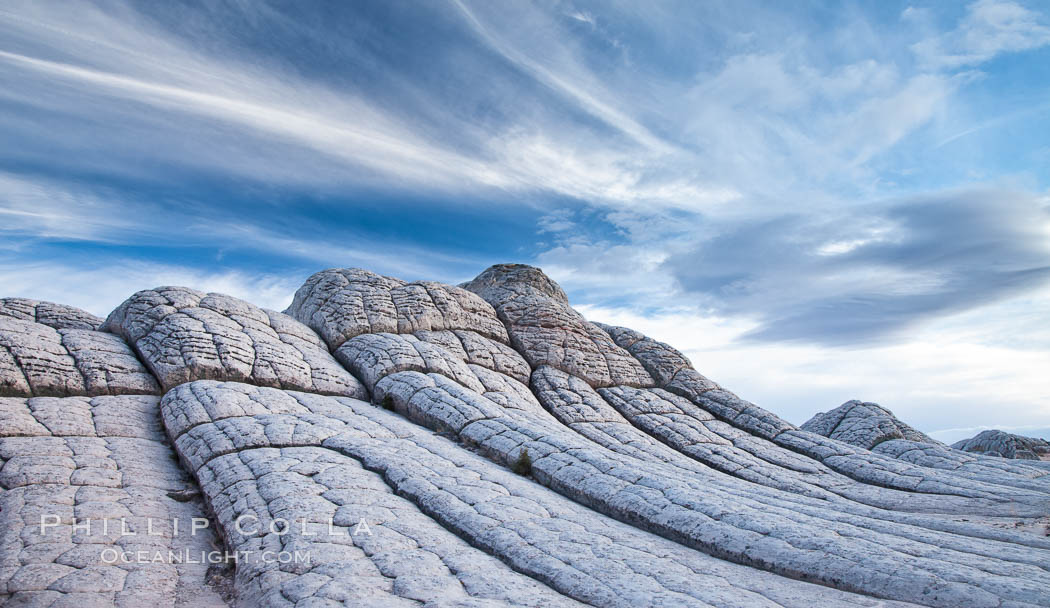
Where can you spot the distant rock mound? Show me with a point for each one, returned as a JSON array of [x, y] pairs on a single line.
[[1005, 445], [863, 424], [875, 428], [474, 446]]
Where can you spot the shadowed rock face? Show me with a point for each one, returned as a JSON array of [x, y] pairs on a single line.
[[500, 450], [1006, 445]]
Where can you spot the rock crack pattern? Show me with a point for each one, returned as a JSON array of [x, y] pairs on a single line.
[[86, 488], [184, 335], [1006, 445], [61, 358]]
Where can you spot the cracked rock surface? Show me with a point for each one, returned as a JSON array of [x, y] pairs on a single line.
[[97, 473], [870, 426], [1006, 445], [271, 455], [863, 424], [184, 335], [61, 358], [921, 468], [547, 331], [342, 303], [386, 443], [421, 495], [786, 538], [57, 316]]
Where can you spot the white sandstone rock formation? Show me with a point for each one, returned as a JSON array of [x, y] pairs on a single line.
[[873, 427], [58, 316], [481, 445], [1005, 445], [63, 355], [185, 335], [863, 424]]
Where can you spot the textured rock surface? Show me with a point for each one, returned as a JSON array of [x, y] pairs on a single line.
[[863, 424], [267, 454], [744, 527], [98, 473], [513, 454], [673, 372], [231, 435], [372, 357], [940, 471], [1006, 445], [36, 359], [871, 426], [57, 316], [342, 303], [547, 331], [183, 335]]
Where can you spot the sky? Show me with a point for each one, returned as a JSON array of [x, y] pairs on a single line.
[[815, 201]]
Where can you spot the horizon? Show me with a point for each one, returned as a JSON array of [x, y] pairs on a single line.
[[814, 204]]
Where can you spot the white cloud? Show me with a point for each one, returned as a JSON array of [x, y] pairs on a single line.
[[731, 135], [610, 177], [170, 101], [877, 124], [558, 220], [39, 209], [990, 28], [776, 125], [581, 16], [374, 143], [402, 260]]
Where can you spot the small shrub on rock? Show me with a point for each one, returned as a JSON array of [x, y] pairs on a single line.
[[523, 465]]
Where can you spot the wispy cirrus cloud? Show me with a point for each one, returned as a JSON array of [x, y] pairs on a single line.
[[269, 123], [356, 134], [560, 71], [40, 209]]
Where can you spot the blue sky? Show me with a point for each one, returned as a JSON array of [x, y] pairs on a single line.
[[816, 201]]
